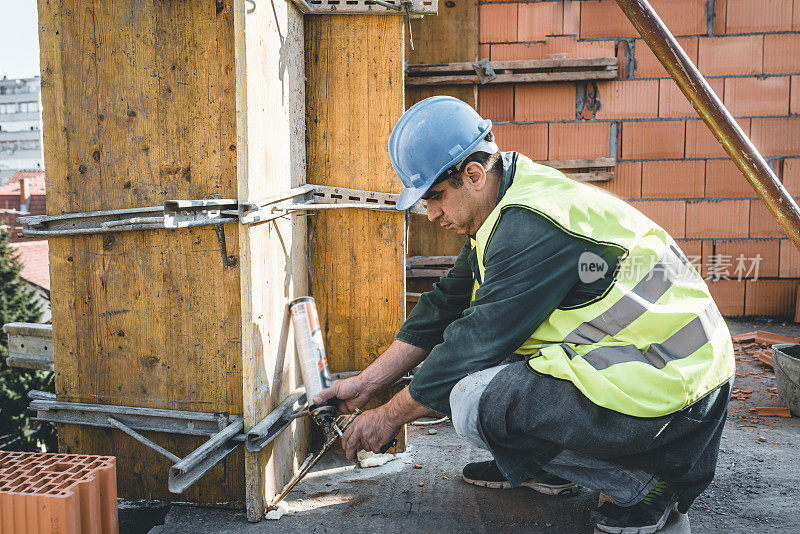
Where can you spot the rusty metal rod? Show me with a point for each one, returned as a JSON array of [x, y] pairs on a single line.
[[715, 115]]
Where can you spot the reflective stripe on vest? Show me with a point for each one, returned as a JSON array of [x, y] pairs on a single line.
[[655, 341]]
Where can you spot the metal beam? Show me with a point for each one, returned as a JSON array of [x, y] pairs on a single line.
[[715, 115]]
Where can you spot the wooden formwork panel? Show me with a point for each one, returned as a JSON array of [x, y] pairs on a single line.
[[354, 96], [139, 107]]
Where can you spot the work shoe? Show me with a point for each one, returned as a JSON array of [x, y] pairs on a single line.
[[645, 517], [487, 474]]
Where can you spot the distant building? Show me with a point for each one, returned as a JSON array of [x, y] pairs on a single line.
[[23, 194], [20, 126]]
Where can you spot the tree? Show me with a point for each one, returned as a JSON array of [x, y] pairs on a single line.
[[18, 431]]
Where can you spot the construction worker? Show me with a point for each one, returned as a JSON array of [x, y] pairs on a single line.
[[572, 338]]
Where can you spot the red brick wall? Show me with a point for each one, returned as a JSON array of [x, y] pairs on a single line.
[[669, 165]]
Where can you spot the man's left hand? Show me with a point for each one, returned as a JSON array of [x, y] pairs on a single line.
[[369, 431]]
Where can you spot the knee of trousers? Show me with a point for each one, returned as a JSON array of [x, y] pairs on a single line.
[[465, 398]]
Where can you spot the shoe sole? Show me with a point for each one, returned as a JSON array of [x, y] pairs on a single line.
[[649, 529], [546, 489]]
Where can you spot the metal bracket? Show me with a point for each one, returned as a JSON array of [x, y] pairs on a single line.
[[484, 70], [417, 8], [317, 197], [276, 422], [224, 431], [173, 214], [30, 345], [186, 213]]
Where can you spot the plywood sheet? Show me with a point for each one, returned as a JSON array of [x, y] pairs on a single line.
[[138, 107], [354, 96]]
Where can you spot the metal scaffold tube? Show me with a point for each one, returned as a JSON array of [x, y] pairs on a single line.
[[715, 115]]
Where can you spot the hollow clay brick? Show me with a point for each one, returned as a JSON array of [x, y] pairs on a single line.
[[729, 296], [789, 260], [776, 136], [606, 19], [544, 102], [725, 180], [780, 53], [539, 20], [701, 143], [648, 66], [731, 55], [717, 218], [770, 297], [653, 140], [744, 254], [669, 214], [528, 139], [627, 181], [498, 23], [756, 96], [672, 103], [673, 179], [496, 102], [57, 493], [586, 140], [762, 223], [757, 16], [628, 99]]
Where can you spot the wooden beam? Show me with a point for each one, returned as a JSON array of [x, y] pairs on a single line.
[[519, 71], [354, 96], [138, 108], [514, 77], [517, 65], [270, 98]]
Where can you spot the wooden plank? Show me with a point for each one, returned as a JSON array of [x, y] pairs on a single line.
[[416, 261], [138, 108], [426, 273], [580, 163], [354, 96], [270, 96], [516, 77], [526, 64], [590, 176]]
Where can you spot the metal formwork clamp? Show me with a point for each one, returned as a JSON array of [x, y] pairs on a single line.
[[224, 431]]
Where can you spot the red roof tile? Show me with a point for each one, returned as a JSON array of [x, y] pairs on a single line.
[[33, 255], [35, 183]]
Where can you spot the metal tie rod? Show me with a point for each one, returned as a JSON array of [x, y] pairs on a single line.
[[715, 115]]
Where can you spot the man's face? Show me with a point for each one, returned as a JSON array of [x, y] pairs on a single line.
[[455, 208]]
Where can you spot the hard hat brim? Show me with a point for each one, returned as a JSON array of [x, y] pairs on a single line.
[[410, 196]]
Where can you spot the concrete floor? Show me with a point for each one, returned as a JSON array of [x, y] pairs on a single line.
[[755, 490]]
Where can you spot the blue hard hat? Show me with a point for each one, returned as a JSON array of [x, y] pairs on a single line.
[[431, 137]]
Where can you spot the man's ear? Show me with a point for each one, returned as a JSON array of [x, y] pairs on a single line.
[[476, 174]]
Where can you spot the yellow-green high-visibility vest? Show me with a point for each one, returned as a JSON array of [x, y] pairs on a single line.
[[655, 341]]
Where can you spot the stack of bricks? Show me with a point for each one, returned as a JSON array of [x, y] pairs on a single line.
[[64, 493], [669, 166]]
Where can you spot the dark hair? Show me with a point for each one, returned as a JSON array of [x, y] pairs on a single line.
[[493, 164]]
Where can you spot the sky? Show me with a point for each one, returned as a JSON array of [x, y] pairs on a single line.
[[19, 39]]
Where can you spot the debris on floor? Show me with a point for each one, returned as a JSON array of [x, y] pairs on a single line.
[[370, 459], [281, 509]]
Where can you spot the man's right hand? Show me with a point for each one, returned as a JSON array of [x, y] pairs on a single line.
[[349, 394]]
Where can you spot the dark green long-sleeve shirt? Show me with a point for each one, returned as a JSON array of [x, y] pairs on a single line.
[[531, 268]]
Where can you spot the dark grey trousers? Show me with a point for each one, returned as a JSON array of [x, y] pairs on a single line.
[[526, 419]]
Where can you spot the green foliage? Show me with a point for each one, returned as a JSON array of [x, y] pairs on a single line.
[[18, 431]]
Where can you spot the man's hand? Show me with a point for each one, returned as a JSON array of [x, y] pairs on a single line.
[[350, 394], [369, 431]]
